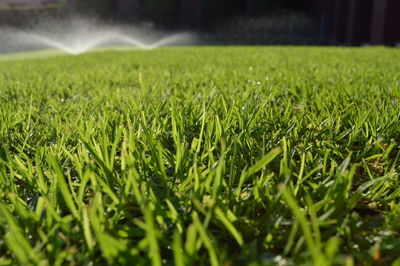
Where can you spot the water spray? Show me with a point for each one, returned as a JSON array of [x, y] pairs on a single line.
[[80, 36]]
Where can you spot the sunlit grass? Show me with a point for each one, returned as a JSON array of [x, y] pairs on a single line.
[[202, 155], [37, 54]]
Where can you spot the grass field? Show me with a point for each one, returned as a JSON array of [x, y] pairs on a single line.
[[202, 155]]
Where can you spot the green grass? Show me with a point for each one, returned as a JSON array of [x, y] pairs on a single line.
[[202, 155]]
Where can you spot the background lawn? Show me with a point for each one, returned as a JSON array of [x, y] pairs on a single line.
[[201, 155]]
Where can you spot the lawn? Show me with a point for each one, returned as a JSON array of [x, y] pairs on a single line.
[[201, 155]]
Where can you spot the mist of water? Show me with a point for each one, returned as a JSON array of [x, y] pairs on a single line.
[[78, 36]]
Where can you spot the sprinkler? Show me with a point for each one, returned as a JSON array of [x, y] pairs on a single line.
[[79, 36]]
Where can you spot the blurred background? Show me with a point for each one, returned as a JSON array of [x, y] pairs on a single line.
[[255, 22]]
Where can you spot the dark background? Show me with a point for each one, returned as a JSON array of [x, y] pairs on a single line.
[[322, 22]]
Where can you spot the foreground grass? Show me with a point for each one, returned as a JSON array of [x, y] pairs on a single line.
[[201, 155]]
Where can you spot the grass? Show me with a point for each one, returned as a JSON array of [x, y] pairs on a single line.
[[29, 55], [202, 155]]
